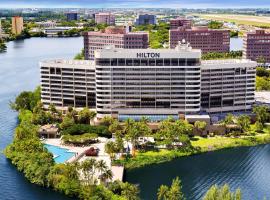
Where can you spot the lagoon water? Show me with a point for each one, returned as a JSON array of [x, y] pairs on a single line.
[[19, 71], [247, 168]]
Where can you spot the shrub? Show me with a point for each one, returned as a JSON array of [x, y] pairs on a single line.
[[79, 129], [84, 139]]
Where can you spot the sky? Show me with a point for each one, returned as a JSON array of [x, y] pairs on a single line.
[[135, 3]]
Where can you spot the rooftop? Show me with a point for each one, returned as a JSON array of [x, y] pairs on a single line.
[[262, 97], [227, 61], [69, 62]]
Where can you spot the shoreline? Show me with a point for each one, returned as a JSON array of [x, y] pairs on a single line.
[[162, 156]]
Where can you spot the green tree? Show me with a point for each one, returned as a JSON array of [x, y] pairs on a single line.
[[86, 115], [110, 148], [133, 130], [174, 192], [222, 193], [262, 113], [3, 47], [243, 121], [67, 122], [200, 126], [170, 132], [27, 100], [215, 25], [262, 72]]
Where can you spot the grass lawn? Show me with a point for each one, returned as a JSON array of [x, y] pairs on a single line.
[[240, 19], [200, 145]]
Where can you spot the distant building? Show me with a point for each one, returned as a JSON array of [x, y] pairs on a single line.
[[180, 22], [55, 31], [119, 37], [105, 18], [17, 25], [257, 45], [208, 40], [46, 24], [72, 16], [145, 20]]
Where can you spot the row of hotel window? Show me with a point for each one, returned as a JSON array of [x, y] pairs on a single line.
[[148, 62]]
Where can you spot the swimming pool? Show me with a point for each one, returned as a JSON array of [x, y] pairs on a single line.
[[60, 155]]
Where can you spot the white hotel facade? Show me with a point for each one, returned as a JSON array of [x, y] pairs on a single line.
[[149, 82]]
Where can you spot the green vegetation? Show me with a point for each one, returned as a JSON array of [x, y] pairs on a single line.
[[215, 25], [216, 55], [26, 100], [234, 34], [79, 129], [3, 47], [30, 156], [262, 79], [222, 193], [177, 140], [158, 34], [174, 192], [77, 140], [80, 56]]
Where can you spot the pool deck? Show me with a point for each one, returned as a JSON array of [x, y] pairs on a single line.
[[118, 171]]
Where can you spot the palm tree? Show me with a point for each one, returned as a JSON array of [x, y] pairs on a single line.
[[110, 148], [106, 175], [162, 192], [88, 169], [129, 191]]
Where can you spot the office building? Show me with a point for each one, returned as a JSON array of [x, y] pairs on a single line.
[[105, 18], [180, 22], [257, 46], [156, 83], [72, 16], [145, 20], [120, 37], [56, 31], [208, 40], [17, 25]]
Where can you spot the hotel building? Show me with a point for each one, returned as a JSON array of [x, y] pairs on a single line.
[[68, 83], [208, 40], [17, 25], [257, 45], [180, 22], [118, 36], [149, 82], [105, 18]]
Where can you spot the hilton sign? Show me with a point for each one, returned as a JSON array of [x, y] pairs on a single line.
[[148, 55]]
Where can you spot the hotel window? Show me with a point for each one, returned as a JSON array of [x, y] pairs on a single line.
[[144, 62]]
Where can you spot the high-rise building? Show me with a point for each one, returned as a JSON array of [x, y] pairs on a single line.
[[257, 45], [67, 83], [105, 18], [227, 85], [17, 25], [208, 40], [145, 20], [156, 83], [120, 37], [72, 16], [180, 22]]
